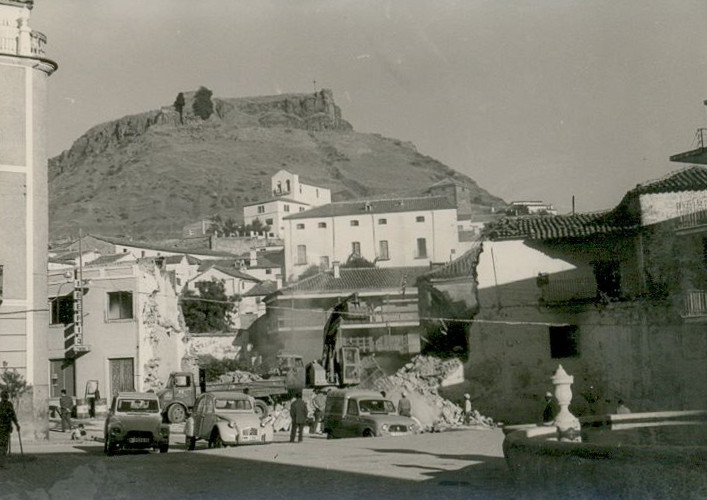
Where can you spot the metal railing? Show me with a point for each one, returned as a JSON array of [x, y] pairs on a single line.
[[10, 42], [692, 214], [695, 304]]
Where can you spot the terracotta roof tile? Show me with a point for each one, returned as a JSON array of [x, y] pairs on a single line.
[[688, 179], [545, 227], [462, 267], [262, 289], [358, 279], [358, 207]]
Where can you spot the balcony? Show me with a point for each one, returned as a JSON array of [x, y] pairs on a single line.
[[22, 42], [695, 306], [692, 216]]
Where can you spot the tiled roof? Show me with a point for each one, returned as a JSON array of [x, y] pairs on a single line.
[[358, 207], [150, 246], [232, 271], [262, 289], [275, 198], [688, 179], [545, 227], [109, 259], [358, 279], [462, 267]]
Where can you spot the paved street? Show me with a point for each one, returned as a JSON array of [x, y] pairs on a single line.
[[461, 464]]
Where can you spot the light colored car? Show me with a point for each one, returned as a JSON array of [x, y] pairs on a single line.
[[354, 412], [227, 418], [134, 422]]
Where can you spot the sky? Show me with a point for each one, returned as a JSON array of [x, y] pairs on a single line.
[[538, 100]]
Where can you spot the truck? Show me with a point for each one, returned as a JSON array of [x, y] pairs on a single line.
[[340, 367]]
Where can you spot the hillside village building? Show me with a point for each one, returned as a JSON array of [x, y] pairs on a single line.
[[618, 298], [400, 232], [24, 71], [289, 196], [130, 330]]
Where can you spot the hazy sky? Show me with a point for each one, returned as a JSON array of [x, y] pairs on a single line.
[[533, 99]]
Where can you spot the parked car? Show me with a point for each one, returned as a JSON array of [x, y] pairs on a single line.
[[134, 422], [228, 418], [355, 412]]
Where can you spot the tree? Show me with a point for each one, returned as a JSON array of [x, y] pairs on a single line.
[[179, 106], [356, 261], [13, 382], [209, 310], [203, 106]]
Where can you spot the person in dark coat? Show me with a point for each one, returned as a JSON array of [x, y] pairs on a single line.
[[298, 412], [66, 406], [7, 418], [92, 403], [549, 410]]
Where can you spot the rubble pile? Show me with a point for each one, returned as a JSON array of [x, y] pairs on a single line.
[[238, 377], [420, 380]]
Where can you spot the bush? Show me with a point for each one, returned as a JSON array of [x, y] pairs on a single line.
[[203, 107]]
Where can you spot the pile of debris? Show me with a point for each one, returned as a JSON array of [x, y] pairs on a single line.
[[238, 377], [420, 380]]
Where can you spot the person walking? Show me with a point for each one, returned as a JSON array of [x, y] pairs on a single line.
[[66, 406], [467, 409], [549, 409], [7, 418], [92, 400], [404, 406], [298, 413], [319, 403]]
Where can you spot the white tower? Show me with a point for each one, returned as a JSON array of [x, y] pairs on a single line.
[[24, 321]]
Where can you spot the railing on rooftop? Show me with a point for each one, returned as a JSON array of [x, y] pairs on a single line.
[[692, 214], [695, 304], [22, 42]]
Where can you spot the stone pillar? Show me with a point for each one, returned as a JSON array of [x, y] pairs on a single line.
[[24, 43], [568, 426]]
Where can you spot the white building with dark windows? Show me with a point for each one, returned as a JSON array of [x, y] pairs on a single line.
[[288, 196], [391, 233]]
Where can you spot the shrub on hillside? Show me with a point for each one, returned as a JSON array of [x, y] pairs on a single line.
[[203, 107]]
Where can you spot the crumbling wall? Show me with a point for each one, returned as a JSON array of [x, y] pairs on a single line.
[[219, 346]]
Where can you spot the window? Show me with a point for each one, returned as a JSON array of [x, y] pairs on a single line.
[[383, 250], [420, 218], [352, 409], [142, 253], [63, 376], [286, 208], [322, 224], [608, 278], [61, 310], [261, 209], [564, 341], [300, 226], [421, 248], [356, 248], [268, 222], [287, 185], [354, 223], [324, 262], [268, 271], [301, 254], [301, 209], [120, 305], [382, 222]]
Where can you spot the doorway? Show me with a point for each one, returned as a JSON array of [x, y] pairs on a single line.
[[122, 375]]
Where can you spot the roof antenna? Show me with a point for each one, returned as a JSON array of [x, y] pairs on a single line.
[[572, 204]]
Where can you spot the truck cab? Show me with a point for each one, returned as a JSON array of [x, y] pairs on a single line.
[[178, 396]]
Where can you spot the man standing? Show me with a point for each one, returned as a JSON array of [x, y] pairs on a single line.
[[7, 418], [298, 412], [549, 410], [66, 406], [467, 409], [404, 406], [319, 403]]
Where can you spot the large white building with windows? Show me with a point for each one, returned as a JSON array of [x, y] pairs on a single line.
[[288, 196], [24, 72], [391, 232]]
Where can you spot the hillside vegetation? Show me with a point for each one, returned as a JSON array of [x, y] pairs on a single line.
[[146, 175]]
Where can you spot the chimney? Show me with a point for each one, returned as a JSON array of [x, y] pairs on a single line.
[[253, 257], [336, 265], [278, 281]]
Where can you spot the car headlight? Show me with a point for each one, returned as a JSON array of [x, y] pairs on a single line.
[[232, 425], [115, 430], [384, 427]]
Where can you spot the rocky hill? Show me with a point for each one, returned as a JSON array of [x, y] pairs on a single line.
[[147, 175]]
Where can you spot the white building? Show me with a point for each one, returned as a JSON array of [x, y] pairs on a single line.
[[392, 233], [289, 196], [533, 207]]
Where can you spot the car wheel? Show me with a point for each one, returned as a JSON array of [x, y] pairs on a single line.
[[261, 409], [368, 433], [164, 448], [110, 447], [176, 414], [215, 441]]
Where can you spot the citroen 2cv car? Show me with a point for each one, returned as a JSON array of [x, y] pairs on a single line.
[[227, 418], [354, 412], [134, 422]]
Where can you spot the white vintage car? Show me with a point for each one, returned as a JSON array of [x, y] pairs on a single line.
[[226, 418]]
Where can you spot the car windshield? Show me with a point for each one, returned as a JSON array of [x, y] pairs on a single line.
[[233, 404], [137, 405], [376, 406]]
